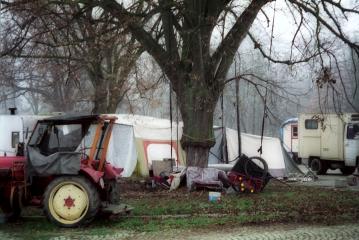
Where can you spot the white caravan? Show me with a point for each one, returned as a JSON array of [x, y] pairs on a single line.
[[15, 129]]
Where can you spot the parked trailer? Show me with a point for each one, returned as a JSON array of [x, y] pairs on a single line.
[[329, 141], [15, 129]]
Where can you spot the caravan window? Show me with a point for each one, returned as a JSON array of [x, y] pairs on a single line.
[[353, 131], [294, 131], [311, 124], [15, 139]]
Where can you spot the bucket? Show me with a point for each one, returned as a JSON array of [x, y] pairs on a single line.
[[214, 196]]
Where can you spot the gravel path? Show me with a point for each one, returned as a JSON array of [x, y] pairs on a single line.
[[269, 232]]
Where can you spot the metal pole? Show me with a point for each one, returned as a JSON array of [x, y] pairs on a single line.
[[237, 110]]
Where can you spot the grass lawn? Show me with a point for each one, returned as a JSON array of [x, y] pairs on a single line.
[[160, 210]]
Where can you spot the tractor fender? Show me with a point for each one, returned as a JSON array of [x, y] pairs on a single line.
[[92, 174], [112, 173]]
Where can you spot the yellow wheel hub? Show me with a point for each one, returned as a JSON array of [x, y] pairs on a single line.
[[68, 202]]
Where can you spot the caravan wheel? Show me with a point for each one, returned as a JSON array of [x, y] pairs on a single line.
[[318, 166], [347, 170], [71, 201]]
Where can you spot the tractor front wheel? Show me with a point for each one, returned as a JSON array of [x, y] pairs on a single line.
[[71, 201]]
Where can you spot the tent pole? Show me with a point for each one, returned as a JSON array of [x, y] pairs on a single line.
[[237, 109], [177, 137], [224, 143], [171, 117]]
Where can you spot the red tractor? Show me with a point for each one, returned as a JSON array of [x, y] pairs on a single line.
[[64, 170]]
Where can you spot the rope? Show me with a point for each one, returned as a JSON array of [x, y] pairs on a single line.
[[260, 149], [218, 158], [198, 139]]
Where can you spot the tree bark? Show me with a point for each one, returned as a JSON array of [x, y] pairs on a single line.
[[106, 100], [107, 95], [197, 115], [197, 155], [100, 99]]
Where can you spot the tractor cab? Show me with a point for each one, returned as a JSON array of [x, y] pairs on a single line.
[[65, 171], [69, 145], [51, 136]]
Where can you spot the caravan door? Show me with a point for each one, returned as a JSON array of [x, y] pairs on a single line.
[[351, 144]]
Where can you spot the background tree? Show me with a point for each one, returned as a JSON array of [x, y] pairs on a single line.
[[48, 85], [84, 38]]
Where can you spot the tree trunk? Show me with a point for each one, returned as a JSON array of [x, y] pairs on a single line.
[[197, 114], [100, 98], [197, 155], [106, 99], [103, 100]]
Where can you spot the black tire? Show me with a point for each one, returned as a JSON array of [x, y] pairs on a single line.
[[262, 161], [76, 187], [114, 196], [318, 166], [347, 170], [352, 181]]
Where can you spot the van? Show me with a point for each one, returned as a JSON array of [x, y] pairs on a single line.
[[329, 141]]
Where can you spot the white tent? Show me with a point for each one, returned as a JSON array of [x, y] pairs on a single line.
[[280, 164], [271, 150], [137, 140]]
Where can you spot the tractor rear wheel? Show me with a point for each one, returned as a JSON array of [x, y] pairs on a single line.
[[71, 201]]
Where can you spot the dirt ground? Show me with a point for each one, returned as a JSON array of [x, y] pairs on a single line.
[[180, 214]]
